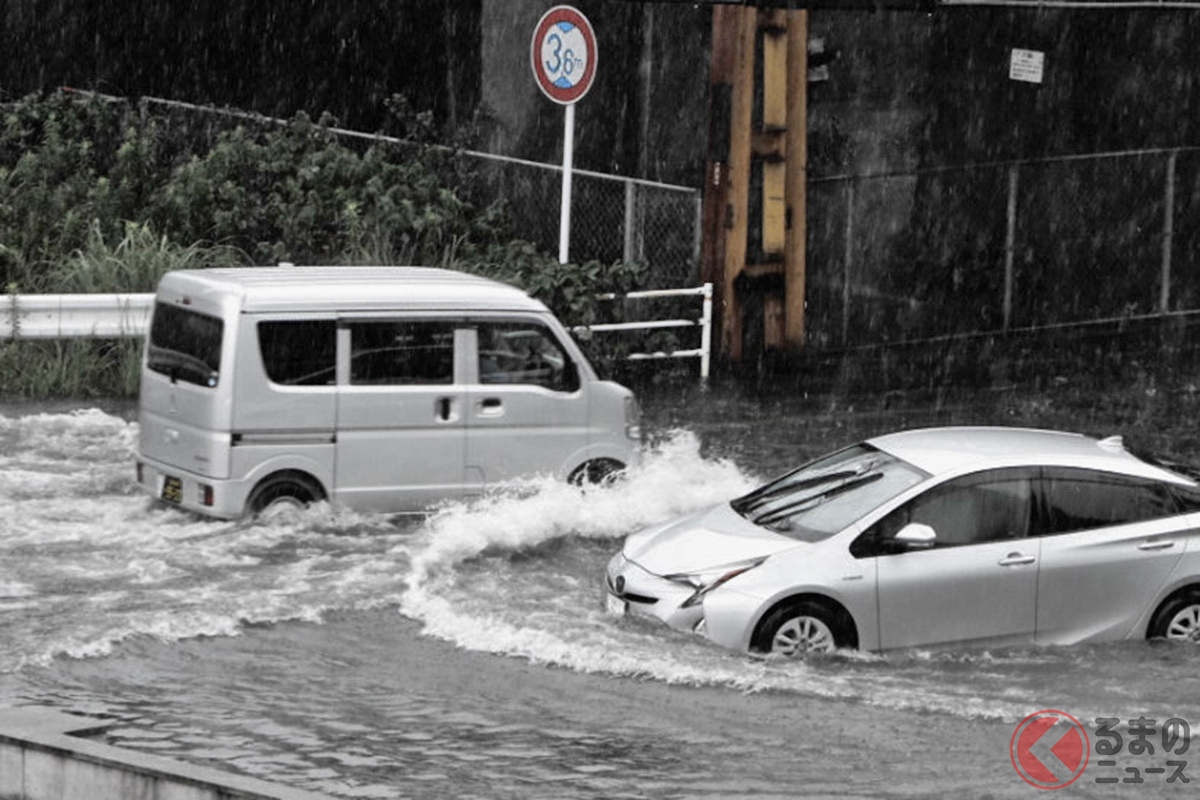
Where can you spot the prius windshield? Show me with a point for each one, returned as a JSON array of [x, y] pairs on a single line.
[[823, 497]]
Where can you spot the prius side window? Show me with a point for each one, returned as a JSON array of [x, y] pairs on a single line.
[[401, 352], [1079, 500], [299, 352], [989, 507]]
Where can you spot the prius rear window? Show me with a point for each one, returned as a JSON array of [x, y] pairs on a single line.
[[185, 345]]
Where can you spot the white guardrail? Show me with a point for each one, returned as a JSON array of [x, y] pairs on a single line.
[[66, 316], [115, 316]]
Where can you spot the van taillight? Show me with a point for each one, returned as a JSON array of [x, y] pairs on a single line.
[[206, 495]]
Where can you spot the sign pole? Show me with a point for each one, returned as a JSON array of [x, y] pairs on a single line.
[[563, 56], [564, 223]]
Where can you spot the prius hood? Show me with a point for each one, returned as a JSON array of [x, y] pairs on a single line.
[[702, 541]]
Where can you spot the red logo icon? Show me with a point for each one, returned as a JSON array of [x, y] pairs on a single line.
[[1049, 749]]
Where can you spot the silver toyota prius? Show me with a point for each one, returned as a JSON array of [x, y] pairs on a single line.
[[934, 537]]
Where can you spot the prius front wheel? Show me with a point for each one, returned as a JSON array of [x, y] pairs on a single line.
[[799, 628]]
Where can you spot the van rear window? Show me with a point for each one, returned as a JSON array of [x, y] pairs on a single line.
[[185, 345], [299, 352]]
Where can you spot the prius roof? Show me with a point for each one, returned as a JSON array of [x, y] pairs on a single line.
[[955, 449], [292, 288]]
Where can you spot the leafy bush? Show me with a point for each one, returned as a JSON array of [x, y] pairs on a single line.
[[101, 196]]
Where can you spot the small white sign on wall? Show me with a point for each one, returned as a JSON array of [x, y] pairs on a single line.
[[1026, 65]]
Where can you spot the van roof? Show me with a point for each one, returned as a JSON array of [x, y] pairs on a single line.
[[291, 288]]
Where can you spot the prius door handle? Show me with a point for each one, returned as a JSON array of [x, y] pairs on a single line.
[[1157, 544], [1016, 560]]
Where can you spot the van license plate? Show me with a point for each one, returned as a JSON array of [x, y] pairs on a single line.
[[615, 605], [172, 490]]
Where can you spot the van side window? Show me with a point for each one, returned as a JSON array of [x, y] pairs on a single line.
[[401, 352], [299, 352], [524, 353]]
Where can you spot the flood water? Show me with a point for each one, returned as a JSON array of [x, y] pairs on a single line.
[[467, 654]]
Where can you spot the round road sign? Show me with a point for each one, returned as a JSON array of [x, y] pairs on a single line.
[[563, 54]]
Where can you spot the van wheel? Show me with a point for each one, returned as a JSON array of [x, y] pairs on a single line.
[[283, 492], [597, 471]]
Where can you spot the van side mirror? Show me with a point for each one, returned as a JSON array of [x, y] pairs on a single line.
[[916, 536]]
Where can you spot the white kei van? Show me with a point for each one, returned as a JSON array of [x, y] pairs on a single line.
[[379, 388]]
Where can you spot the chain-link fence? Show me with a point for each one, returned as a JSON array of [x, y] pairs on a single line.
[[612, 218], [1008, 246]]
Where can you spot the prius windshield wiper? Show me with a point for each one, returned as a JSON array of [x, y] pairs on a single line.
[[813, 500], [759, 497]]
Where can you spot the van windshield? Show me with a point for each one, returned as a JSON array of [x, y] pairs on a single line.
[[185, 345]]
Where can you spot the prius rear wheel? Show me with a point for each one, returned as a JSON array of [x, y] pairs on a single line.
[[1178, 619], [800, 627], [282, 494]]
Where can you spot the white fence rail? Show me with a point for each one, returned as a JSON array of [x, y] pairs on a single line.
[[703, 352], [115, 316], [65, 316]]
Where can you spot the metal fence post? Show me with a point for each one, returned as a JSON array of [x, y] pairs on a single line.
[[847, 260], [1164, 296], [630, 200], [706, 332], [1010, 239]]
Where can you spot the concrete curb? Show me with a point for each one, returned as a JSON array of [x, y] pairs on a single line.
[[43, 758]]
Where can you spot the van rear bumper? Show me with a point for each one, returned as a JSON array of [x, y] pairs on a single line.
[[227, 497]]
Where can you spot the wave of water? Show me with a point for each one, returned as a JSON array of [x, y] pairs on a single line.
[[87, 563]]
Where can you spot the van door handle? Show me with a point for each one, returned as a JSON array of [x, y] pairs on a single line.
[[491, 406], [445, 408], [1016, 560], [1156, 544]]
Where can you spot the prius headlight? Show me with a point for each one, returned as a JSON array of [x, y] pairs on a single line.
[[704, 581]]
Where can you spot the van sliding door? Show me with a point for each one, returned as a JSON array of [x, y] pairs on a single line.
[[400, 443]]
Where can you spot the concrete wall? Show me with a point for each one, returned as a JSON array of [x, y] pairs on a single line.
[[42, 757]]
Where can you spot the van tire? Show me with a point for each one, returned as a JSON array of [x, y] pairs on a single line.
[[282, 491], [597, 471]]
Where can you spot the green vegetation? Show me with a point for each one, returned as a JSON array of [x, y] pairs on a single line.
[[101, 196]]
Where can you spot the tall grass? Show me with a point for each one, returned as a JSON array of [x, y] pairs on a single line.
[[134, 263], [100, 367], [82, 368]]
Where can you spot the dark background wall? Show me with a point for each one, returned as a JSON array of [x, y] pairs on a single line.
[[912, 99]]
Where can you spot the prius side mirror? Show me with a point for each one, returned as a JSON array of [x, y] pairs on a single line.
[[916, 536]]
